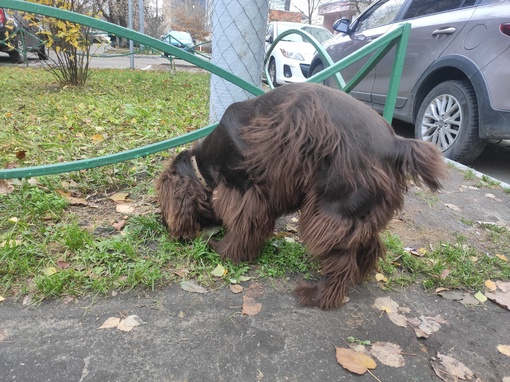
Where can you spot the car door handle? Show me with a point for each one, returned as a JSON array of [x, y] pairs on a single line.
[[448, 30]]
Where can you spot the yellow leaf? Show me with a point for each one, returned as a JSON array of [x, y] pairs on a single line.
[[504, 349], [119, 196], [8, 115], [354, 361], [97, 138], [219, 271], [2, 298], [502, 257], [13, 220], [49, 271], [480, 297], [490, 285], [381, 277]]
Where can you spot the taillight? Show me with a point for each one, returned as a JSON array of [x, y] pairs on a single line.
[[505, 28], [2, 16]]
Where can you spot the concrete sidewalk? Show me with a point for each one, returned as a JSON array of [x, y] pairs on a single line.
[[204, 337]]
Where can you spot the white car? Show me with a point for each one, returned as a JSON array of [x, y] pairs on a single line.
[[291, 58]]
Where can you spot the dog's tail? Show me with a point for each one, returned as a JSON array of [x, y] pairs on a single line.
[[422, 161]]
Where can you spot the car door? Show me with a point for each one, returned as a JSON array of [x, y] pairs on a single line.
[[374, 22], [434, 26]]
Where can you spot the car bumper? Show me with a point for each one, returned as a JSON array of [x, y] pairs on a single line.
[[294, 72]]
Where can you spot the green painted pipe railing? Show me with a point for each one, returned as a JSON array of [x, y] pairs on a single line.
[[382, 45]]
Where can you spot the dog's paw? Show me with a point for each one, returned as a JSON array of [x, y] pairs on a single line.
[[307, 294]]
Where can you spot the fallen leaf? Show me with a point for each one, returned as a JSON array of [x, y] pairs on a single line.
[[491, 285], [182, 272], [250, 306], [2, 298], [413, 251], [388, 354], [500, 298], [502, 257], [97, 138], [49, 271], [504, 349], [480, 297], [128, 323], [5, 187], [62, 264], [425, 326], [504, 286], [125, 208], [449, 369], [353, 361], [386, 304], [13, 220], [398, 319], [192, 287], [111, 322], [381, 277], [21, 154], [119, 225], [219, 271], [255, 290], [119, 196], [236, 288], [444, 274]]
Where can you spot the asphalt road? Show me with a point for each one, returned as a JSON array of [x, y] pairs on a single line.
[[495, 161]]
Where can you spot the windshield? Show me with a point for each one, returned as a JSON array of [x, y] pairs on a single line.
[[180, 36], [320, 34]]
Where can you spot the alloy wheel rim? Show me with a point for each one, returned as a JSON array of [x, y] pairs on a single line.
[[442, 121]]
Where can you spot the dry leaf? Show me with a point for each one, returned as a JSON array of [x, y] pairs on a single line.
[[500, 298], [97, 138], [480, 297], [21, 154], [250, 306], [398, 319], [2, 298], [49, 271], [128, 323], [353, 361], [219, 271], [111, 322], [491, 285], [425, 326], [5, 187], [125, 208], [62, 264], [119, 196], [449, 369], [119, 225], [388, 354], [192, 287], [444, 274], [504, 349], [386, 304], [381, 277], [502, 257], [236, 288]]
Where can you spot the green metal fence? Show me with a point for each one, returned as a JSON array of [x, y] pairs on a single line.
[[381, 46]]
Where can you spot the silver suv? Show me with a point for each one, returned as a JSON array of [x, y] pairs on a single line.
[[455, 85]]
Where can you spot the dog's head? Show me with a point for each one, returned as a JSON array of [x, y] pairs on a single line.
[[184, 201]]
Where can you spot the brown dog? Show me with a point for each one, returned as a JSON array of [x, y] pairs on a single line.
[[306, 147]]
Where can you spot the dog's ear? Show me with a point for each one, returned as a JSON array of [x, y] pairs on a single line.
[[182, 201]]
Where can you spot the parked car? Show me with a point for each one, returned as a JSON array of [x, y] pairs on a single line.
[[13, 24], [180, 39], [456, 76], [290, 59]]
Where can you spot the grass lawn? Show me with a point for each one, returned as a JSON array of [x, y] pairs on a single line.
[[98, 231]]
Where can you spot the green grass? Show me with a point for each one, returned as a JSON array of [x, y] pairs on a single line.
[[49, 248]]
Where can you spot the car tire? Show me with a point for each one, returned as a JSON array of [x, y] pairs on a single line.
[[448, 118], [272, 72], [42, 54], [15, 55], [317, 69]]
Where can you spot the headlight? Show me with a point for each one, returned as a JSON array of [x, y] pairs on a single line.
[[292, 55]]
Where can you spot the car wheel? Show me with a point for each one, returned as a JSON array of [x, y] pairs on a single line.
[[41, 53], [317, 69], [272, 71], [448, 118], [16, 55]]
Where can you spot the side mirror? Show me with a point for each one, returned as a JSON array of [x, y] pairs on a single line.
[[269, 39], [342, 26]]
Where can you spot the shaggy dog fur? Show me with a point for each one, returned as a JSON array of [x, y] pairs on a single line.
[[299, 147]]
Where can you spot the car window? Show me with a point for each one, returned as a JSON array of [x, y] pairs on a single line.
[[381, 14], [427, 7], [319, 34]]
